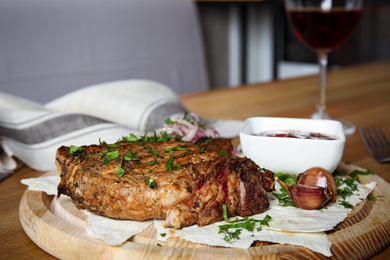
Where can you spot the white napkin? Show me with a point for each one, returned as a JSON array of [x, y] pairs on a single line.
[[31, 133]]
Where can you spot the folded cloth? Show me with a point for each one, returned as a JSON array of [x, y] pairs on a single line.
[[30, 133]]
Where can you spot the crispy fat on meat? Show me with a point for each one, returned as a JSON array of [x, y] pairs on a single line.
[[184, 183]]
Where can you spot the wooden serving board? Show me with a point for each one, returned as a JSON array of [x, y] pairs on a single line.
[[58, 228]]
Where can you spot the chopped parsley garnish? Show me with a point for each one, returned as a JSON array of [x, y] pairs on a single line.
[[265, 221], [201, 124], [229, 236], [209, 141], [110, 156], [204, 148], [357, 172], [345, 192], [74, 149], [239, 224], [103, 143], [152, 163], [169, 121], [287, 178], [130, 157], [346, 186], [283, 197], [164, 136], [225, 216], [169, 166], [130, 138], [372, 198], [185, 116], [339, 173], [222, 153], [113, 145], [103, 152], [151, 151], [170, 149], [345, 204], [120, 171], [151, 183], [151, 171]]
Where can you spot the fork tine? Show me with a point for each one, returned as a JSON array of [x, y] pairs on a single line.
[[370, 140], [364, 136], [384, 143], [376, 138], [376, 143]]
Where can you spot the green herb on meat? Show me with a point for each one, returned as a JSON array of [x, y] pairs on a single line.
[[110, 156], [170, 149], [103, 143], [74, 149], [151, 183], [130, 138], [169, 166], [120, 171], [222, 153], [131, 157], [152, 163], [151, 151], [128, 157]]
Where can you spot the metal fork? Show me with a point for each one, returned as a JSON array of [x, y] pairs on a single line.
[[376, 142]]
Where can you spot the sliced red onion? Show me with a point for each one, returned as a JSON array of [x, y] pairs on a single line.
[[189, 128]]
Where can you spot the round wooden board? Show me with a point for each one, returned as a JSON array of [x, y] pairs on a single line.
[[58, 228]]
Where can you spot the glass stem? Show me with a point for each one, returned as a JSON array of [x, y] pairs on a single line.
[[320, 109]]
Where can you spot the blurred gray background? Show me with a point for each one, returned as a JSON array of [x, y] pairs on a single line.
[[50, 48]]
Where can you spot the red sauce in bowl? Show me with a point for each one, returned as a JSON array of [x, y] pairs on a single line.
[[297, 134]]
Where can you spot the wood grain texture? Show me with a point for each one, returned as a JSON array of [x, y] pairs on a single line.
[[57, 226], [359, 94]]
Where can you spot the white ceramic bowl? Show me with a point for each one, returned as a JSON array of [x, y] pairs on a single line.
[[292, 155]]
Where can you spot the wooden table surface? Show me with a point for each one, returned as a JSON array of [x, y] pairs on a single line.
[[360, 94]]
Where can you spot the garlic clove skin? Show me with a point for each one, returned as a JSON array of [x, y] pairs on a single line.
[[306, 196], [319, 177], [313, 177]]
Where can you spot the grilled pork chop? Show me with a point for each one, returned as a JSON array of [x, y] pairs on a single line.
[[184, 183]]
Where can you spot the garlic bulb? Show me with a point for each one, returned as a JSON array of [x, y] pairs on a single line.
[[319, 177], [314, 188]]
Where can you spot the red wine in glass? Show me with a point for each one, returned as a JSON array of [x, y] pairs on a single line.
[[321, 30], [323, 25]]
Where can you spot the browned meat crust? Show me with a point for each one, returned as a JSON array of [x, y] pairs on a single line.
[[188, 185]]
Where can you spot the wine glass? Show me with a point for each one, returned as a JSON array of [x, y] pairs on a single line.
[[323, 25]]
